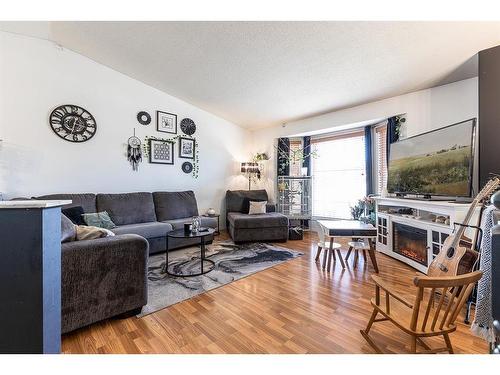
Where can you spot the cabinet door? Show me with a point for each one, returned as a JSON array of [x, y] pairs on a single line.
[[382, 232], [437, 240]]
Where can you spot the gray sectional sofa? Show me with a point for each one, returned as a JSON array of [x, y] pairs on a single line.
[[106, 277], [242, 227], [149, 215]]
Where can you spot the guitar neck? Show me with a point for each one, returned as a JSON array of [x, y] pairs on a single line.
[[468, 217]]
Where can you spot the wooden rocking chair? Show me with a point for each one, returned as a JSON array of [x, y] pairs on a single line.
[[433, 313]]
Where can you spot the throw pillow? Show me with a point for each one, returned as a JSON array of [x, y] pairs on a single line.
[[68, 230], [246, 203], [257, 208], [99, 219], [74, 214]]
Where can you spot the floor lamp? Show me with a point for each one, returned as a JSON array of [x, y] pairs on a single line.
[[250, 168]]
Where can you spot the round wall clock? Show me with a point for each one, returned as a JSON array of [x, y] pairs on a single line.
[[73, 123], [188, 126], [144, 118], [187, 167]]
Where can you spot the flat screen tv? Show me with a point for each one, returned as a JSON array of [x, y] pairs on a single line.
[[437, 163]]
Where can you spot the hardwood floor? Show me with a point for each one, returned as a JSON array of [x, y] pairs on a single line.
[[294, 307]]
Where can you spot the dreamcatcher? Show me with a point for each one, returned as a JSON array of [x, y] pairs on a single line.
[[134, 154]]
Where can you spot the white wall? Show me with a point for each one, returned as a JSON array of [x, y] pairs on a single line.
[[425, 110], [36, 76]]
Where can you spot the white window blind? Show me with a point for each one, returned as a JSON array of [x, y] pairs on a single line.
[[338, 174], [381, 157]]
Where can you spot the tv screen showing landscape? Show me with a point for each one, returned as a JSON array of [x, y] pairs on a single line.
[[434, 163]]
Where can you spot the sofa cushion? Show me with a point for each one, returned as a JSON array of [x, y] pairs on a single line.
[[146, 230], [85, 200], [175, 205], [246, 221], [127, 208], [237, 200], [210, 222]]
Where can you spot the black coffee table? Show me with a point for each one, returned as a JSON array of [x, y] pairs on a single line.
[[180, 233]]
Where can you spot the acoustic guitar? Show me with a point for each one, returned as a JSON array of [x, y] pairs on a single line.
[[448, 261]]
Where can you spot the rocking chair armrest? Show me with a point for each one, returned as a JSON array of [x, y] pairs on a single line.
[[383, 285], [447, 281]]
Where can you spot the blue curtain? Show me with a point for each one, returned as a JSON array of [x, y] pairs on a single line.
[[392, 136], [307, 151], [282, 166], [368, 160]]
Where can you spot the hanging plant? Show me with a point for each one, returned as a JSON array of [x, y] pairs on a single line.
[[293, 156], [260, 156], [400, 120], [196, 160]]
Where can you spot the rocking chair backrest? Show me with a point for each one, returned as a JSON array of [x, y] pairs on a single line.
[[453, 292]]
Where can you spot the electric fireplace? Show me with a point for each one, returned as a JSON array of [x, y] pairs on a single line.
[[410, 242]]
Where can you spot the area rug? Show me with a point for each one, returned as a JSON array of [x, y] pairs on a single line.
[[232, 262]]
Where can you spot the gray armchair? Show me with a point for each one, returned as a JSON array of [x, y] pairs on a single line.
[[242, 227]]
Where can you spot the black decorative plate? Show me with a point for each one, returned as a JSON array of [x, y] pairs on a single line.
[[188, 126], [144, 118], [187, 167]]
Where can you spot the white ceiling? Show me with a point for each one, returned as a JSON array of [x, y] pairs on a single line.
[[258, 74]]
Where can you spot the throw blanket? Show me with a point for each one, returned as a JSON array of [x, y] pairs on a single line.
[[84, 232], [483, 321]]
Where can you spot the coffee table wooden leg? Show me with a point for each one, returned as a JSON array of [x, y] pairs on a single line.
[[318, 254], [371, 252], [340, 258], [348, 253], [330, 252]]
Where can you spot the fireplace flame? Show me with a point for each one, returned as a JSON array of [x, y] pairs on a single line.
[[412, 255], [410, 242]]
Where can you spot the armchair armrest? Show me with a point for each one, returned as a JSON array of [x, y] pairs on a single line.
[[379, 283]]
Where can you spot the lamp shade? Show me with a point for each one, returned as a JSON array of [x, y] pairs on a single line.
[[249, 167]]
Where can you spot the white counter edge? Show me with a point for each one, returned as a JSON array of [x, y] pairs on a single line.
[[33, 203]]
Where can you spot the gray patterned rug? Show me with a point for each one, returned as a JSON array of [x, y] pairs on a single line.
[[232, 262]]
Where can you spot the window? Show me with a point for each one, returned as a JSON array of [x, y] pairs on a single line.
[[338, 174], [295, 165], [380, 158]]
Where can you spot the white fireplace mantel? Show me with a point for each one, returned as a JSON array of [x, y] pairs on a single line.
[[437, 218]]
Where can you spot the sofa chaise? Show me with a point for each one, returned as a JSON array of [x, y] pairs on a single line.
[[243, 227]]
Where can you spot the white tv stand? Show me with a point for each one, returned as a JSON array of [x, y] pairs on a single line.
[[413, 231]]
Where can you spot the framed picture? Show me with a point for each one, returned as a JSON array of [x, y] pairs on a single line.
[[166, 122], [161, 152], [186, 148]]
